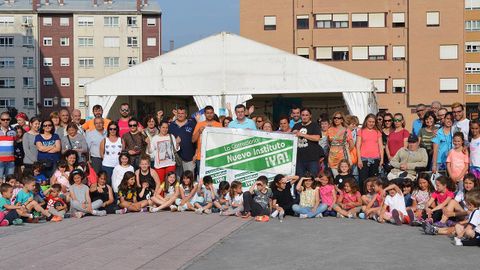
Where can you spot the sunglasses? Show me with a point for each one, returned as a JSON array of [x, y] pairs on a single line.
[[259, 121], [379, 119], [47, 125], [112, 129], [397, 120], [387, 120], [125, 110], [5, 119], [337, 118], [135, 125]]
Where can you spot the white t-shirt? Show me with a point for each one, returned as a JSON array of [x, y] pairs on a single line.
[[474, 220], [238, 199], [460, 198], [475, 152], [117, 175], [464, 127], [396, 202]]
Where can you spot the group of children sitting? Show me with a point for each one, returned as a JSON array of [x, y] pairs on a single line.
[[431, 204]]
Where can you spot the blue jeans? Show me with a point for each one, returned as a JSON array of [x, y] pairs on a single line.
[[6, 168], [109, 171], [304, 166], [308, 210]]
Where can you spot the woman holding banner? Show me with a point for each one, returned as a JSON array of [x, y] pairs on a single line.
[[162, 148]]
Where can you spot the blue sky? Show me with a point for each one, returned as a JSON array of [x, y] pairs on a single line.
[[186, 21]]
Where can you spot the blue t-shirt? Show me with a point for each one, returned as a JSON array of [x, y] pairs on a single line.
[[4, 201], [417, 125], [40, 178], [444, 142], [54, 157], [22, 196], [292, 122], [185, 132], [246, 124]]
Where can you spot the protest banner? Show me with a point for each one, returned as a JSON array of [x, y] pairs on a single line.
[[243, 155]]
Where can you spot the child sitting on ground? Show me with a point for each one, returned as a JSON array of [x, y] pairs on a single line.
[[40, 178], [310, 205], [470, 234], [349, 202], [55, 205], [9, 214], [16, 185], [79, 197], [166, 194], [60, 176], [344, 172], [25, 198], [439, 199], [394, 209], [220, 202], [374, 199], [407, 191], [235, 200], [207, 192], [328, 193], [188, 199], [421, 196], [257, 202], [145, 192], [127, 194]]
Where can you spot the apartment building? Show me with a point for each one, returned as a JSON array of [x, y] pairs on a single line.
[[472, 57], [82, 40], [412, 50]]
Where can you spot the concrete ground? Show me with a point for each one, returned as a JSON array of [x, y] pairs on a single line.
[[331, 243]]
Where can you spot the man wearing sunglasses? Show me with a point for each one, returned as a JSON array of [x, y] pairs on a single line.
[[124, 119], [134, 142], [7, 138]]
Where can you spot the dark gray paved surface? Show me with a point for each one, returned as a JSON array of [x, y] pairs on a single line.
[[131, 241], [332, 243]]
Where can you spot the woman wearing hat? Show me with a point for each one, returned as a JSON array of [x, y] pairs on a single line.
[[22, 121]]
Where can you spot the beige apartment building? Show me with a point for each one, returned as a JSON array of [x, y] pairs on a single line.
[[472, 57], [412, 50]]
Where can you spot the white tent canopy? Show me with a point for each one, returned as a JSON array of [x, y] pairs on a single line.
[[228, 68]]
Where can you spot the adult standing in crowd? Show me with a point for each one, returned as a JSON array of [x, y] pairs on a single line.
[[7, 139], [242, 121], [461, 123], [64, 115], [29, 147], [284, 125], [427, 133], [435, 107], [73, 140], [94, 139], [369, 149], [417, 124], [340, 141], [134, 142], [183, 128], [110, 149], [124, 119], [398, 137], [309, 151], [441, 117], [295, 116], [97, 113], [49, 147], [442, 144], [18, 150], [150, 129], [200, 127], [22, 121], [379, 118], [55, 119], [76, 118], [162, 149], [386, 130]]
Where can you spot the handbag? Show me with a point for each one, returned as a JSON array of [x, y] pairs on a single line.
[[178, 159]]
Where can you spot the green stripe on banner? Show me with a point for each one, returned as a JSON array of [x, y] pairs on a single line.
[[236, 145]]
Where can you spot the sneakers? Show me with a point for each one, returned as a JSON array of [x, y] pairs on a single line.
[[56, 219], [49, 217], [274, 214], [361, 216], [32, 220], [154, 209], [416, 223], [350, 215], [144, 210], [173, 208], [281, 216], [181, 209], [246, 215], [319, 216], [430, 229], [411, 216], [99, 213], [375, 217], [199, 211], [17, 221], [207, 211], [303, 216], [457, 241], [396, 217], [264, 218], [439, 224], [79, 214], [121, 211]]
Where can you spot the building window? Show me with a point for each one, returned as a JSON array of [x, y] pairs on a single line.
[[269, 23], [85, 42], [28, 41], [332, 53], [340, 21], [398, 19], [472, 4], [47, 62], [132, 41], [27, 20], [28, 82], [7, 62], [64, 41], [47, 21], [7, 102], [448, 52], [85, 62], [132, 61], [373, 20], [65, 81], [380, 85], [6, 41], [433, 18], [323, 21], [110, 21], [399, 85], [472, 25], [7, 21], [47, 41], [472, 46], [132, 21], [83, 81], [368, 53], [151, 21], [28, 102], [7, 83], [111, 61], [360, 20], [151, 42], [65, 102], [472, 68], [48, 102], [303, 52], [64, 21], [81, 102], [111, 42], [64, 61], [27, 62], [47, 81], [302, 22], [449, 84], [398, 53], [472, 89], [85, 21]]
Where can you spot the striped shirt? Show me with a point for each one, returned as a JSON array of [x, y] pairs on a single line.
[[7, 139]]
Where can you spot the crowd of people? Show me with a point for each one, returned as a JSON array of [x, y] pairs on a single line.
[[428, 176]]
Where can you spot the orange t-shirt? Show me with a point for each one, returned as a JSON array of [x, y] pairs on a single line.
[[88, 125], [199, 141]]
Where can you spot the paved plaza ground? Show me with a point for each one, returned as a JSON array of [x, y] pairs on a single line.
[[189, 241]]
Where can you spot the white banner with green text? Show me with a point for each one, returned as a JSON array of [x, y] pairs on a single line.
[[243, 155]]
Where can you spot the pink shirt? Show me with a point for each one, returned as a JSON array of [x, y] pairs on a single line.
[[396, 141], [369, 147], [123, 127], [440, 198], [349, 198], [326, 194], [459, 160]]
